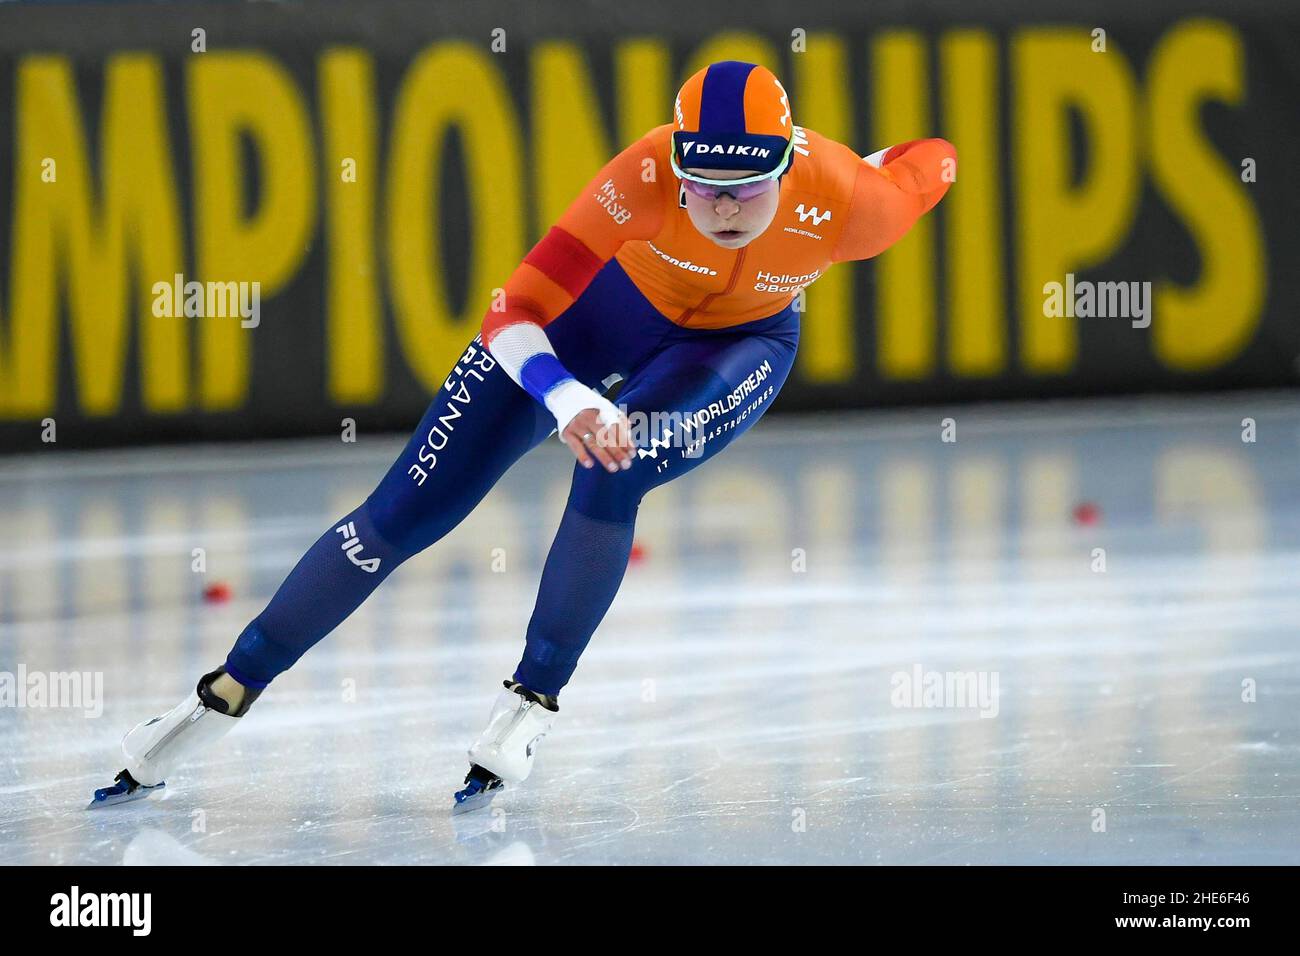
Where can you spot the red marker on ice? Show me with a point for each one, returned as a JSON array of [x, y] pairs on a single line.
[[1086, 513], [217, 593]]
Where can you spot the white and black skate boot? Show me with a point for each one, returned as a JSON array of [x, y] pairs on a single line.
[[156, 747], [504, 752]]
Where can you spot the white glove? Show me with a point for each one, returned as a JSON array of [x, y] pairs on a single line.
[[568, 398]]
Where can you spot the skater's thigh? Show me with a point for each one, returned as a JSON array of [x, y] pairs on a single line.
[[610, 328], [685, 405], [477, 426]]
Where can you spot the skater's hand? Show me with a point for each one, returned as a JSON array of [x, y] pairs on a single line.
[[610, 444]]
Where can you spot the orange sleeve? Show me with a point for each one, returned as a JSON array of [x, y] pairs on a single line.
[[626, 200], [912, 178]]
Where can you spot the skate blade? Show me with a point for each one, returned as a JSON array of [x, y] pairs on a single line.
[[120, 793], [477, 802], [472, 798]]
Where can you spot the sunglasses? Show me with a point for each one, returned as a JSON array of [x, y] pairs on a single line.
[[737, 191]]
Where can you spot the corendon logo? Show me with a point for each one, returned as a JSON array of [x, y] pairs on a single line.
[[679, 263], [814, 214], [352, 545]]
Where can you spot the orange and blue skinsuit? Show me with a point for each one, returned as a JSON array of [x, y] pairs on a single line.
[[835, 207], [622, 286]]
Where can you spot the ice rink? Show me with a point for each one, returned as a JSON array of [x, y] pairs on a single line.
[[746, 700]]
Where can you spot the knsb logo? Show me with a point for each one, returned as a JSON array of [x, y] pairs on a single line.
[[103, 909], [610, 200], [816, 215], [352, 545]]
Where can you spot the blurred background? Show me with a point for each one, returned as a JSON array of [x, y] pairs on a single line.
[[380, 168], [932, 488]]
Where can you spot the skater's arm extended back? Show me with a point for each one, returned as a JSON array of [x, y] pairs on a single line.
[[894, 188]]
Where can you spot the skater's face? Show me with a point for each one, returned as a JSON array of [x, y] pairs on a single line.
[[731, 220]]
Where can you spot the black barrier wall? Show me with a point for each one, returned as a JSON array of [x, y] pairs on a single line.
[[354, 180]]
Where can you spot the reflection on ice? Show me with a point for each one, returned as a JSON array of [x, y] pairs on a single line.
[[739, 704]]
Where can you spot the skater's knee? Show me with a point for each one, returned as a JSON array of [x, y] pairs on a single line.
[[383, 518], [398, 527], [606, 497]]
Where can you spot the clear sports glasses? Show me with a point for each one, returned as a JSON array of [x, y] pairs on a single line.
[[741, 189], [740, 193]]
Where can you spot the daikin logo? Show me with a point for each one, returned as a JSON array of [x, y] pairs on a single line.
[[717, 149]]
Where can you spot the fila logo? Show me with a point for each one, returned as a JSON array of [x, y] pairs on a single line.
[[814, 214], [352, 545]]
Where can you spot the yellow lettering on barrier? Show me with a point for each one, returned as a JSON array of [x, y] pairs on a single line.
[[354, 328], [829, 338], [450, 85], [1209, 323], [1062, 227], [569, 141], [643, 77], [232, 96], [734, 45], [976, 304], [62, 229], [905, 318]]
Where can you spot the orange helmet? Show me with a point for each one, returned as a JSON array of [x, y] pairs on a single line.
[[733, 115]]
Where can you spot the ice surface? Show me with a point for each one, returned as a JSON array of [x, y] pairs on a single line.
[[731, 708]]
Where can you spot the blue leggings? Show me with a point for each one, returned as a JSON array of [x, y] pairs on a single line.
[[688, 393]]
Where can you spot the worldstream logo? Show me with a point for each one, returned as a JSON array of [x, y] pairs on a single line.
[[653, 431], [815, 214]]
